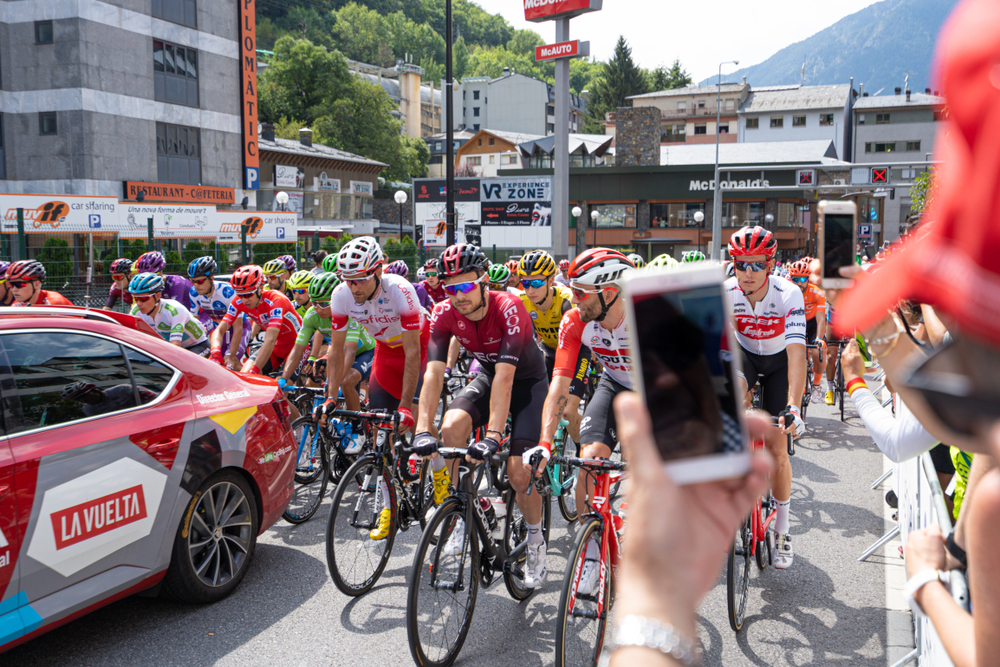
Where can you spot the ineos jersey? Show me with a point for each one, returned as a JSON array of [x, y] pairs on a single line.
[[214, 305], [504, 335], [393, 309], [777, 320], [610, 347], [437, 294]]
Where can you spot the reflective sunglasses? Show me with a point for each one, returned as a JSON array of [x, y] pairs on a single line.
[[582, 294], [118, 276], [321, 305], [300, 292], [245, 295], [533, 284], [357, 281], [465, 287], [141, 299], [431, 274], [18, 284], [750, 266], [800, 280], [199, 281]]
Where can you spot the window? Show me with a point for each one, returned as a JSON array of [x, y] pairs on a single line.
[[701, 104], [438, 145], [436, 159], [43, 364], [913, 145], [826, 119], [476, 127], [881, 119], [178, 154], [480, 142], [492, 141], [675, 215], [550, 128], [475, 111], [615, 215], [47, 123], [777, 121], [939, 116], [701, 129], [475, 94], [798, 121], [682, 107], [730, 105], [175, 74], [861, 119], [43, 32], [491, 158], [475, 160], [880, 147], [723, 128], [753, 123], [176, 11]]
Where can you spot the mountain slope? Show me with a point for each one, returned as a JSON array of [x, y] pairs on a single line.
[[876, 45]]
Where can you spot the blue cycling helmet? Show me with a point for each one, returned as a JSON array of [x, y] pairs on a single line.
[[146, 283], [203, 266]]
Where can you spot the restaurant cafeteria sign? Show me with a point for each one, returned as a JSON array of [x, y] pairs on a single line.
[[546, 10], [178, 192]]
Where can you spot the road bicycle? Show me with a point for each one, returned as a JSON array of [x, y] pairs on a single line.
[[562, 477], [839, 387], [445, 578], [807, 392], [582, 618]]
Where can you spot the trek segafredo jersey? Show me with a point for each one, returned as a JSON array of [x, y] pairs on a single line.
[[777, 320]]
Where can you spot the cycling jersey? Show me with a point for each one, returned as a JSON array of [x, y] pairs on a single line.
[[301, 310], [178, 288], [46, 298], [357, 335], [546, 322], [504, 335], [425, 299], [393, 309], [437, 294], [273, 311], [116, 293], [777, 320], [174, 323], [214, 306], [562, 280], [815, 302], [610, 347]]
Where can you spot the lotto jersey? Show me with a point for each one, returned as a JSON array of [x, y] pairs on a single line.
[[777, 320], [815, 302], [546, 322], [215, 305], [610, 347], [393, 309], [273, 311], [174, 323]]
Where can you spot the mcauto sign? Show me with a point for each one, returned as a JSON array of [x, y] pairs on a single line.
[[571, 49], [248, 93], [546, 10]]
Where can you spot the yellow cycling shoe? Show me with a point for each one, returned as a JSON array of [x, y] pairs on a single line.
[[828, 399], [382, 530], [441, 482]]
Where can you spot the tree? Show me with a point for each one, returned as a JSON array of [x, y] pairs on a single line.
[[192, 251], [300, 81], [57, 258], [491, 61], [459, 59], [921, 192], [620, 79], [582, 73], [668, 79], [466, 170], [361, 34], [524, 42]]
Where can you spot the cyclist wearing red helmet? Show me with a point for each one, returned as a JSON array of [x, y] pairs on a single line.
[[769, 317], [561, 277], [432, 283], [24, 278], [815, 311]]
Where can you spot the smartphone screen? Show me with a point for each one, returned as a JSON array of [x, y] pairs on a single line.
[[838, 243], [686, 375]]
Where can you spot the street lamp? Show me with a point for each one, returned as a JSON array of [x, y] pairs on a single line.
[[282, 199], [699, 217], [717, 200], [577, 211], [400, 198]]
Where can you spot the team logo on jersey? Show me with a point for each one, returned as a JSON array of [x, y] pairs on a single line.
[[534, 315], [461, 325], [218, 305], [595, 340]]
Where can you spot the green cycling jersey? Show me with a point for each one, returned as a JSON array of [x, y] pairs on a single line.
[[356, 334]]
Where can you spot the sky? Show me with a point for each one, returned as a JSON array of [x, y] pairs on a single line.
[[701, 33]]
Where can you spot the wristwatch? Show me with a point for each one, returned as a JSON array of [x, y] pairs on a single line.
[[642, 631], [915, 583]]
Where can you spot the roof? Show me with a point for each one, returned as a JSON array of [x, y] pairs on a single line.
[[391, 88], [456, 135], [592, 144], [764, 152], [515, 138], [891, 101], [293, 147], [793, 98], [692, 90]]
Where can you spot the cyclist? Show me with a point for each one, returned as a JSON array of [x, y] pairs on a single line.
[[120, 270], [513, 280], [421, 275], [277, 272], [25, 278], [598, 320], [210, 301], [663, 261], [298, 288], [170, 319], [495, 328], [6, 296], [432, 283], [815, 314], [177, 288], [692, 256], [546, 304], [769, 318], [399, 268], [637, 260], [561, 277], [498, 277], [269, 311]]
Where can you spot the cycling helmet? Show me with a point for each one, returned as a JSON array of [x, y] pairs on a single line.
[[120, 265], [289, 262], [322, 286], [692, 256], [72, 392], [146, 283], [752, 241], [537, 263], [359, 256], [498, 274], [300, 280], [3, 270], [799, 269], [330, 264], [431, 264], [398, 268], [421, 274], [461, 258], [151, 262], [637, 259], [27, 270], [203, 266], [599, 267], [563, 264], [512, 264], [247, 279], [730, 269], [274, 267], [662, 261]]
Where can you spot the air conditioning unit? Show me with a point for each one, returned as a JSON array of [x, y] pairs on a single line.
[[839, 181]]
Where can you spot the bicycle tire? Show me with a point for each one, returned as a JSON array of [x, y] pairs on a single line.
[[763, 545], [515, 531], [430, 563], [312, 474], [576, 615], [737, 584], [349, 548], [840, 387], [567, 497]]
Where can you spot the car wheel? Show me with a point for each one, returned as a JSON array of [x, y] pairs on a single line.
[[215, 540]]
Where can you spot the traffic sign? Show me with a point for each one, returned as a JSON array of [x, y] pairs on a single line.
[[806, 177], [880, 175], [864, 231], [571, 49]]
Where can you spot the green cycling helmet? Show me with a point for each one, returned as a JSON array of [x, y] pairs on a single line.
[[330, 263], [498, 274], [322, 286], [693, 256], [661, 261]]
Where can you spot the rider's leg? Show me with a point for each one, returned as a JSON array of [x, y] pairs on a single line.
[[519, 475], [455, 431], [453, 350]]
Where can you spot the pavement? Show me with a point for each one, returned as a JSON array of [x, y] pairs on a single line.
[[827, 609]]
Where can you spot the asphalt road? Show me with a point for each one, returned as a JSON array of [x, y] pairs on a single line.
[[827, 609]]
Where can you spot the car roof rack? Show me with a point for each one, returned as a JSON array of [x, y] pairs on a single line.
[[75, 311]]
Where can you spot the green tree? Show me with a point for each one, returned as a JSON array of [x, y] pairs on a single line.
[[620, 79], [57, 258], [490, 61], [582, 73], [524, 42], [415, 156], [921, 192], [459, 59], [663, 78], [363, 34], [192, 251], [300, 81], [174, 263]]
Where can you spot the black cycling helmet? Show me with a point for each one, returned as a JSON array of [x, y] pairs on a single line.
[[461, 258], [203, 266]]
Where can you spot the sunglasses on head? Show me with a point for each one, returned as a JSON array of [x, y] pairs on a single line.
[[533, 284], [18, 284], [465, 287], [141, 299], [199, 281], [750, 266]]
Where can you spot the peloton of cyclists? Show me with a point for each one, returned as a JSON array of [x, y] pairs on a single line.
[[168, 318], [210, 301], [177, 288]]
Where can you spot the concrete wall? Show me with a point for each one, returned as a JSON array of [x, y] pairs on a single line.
[[518, 105], [812, 130]]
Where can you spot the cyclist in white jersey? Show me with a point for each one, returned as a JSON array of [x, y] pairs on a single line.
[[171, 320], [210, 301]]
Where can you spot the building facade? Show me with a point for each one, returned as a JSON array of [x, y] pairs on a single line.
[[798, 113], [488, 151], [438, 147], [419, 105], [688, 114], [512, 103]]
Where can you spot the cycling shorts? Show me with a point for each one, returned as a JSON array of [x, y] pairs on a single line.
[[578, 384], [363, 363], [812, 328], [527, 397], [771, 371], [201, 349], [598, 423], [382, 398], [274, 362]]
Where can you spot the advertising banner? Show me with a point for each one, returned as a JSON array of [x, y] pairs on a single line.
[[262, 227], [431, 217], [329, 184], [286, 176], [169, 222], [296, 201], [363, 188], [435, 190], [248, 93], [180, 193], [544, 10], [571, 49], [517, 189], [60, 213]]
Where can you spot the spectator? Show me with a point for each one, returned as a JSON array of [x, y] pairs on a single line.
[[317, 258]]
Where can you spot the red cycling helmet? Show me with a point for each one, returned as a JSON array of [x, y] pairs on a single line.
[[563, 264], [247, 279], [752, 241], [26, 270], [598, 267], [461, 258], [799, 269]]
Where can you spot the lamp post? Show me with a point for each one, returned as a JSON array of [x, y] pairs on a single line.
[[577, 212], [282, 199], [594, 215], [699, 217], [400, 198], [717, 200]]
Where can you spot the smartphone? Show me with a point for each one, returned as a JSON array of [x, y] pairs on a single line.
[[682, 344], [838, 233]]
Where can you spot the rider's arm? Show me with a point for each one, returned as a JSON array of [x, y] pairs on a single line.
[[500, 390], [555, 404], [292, 362], [335, 362], [234, 347], [219, 332], [350, 352], [411, 371], [317, 345]]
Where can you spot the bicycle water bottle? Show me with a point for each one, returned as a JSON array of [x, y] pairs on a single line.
[[491, 515]]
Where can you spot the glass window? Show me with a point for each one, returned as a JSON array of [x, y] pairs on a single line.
[[47, 123], [790, 215], [475, 112], [149, 374], [739, 214], [777, 121], [43, 32], [492, 141], [681, 107], [476, 127], [615, 215], [475, 94], [701, 129], [175, 74], [178, 154], [723, 128], [798, 121], [675, 215], [493, 156], [753, 123], [730, 105], [176, 11], [881, 118], [913, 145], [826, 119]]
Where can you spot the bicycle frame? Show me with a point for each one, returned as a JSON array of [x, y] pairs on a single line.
[[554, 470], [759, 527]]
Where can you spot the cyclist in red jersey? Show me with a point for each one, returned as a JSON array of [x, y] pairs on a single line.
[[24, 278], [432, 283], [270, 312]]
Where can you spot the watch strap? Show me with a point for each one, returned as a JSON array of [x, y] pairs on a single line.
[[915, 583], [649, 633]]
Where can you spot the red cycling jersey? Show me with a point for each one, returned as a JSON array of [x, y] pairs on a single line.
[[437, 294], [504, 335], [273, 311], [46, 298]]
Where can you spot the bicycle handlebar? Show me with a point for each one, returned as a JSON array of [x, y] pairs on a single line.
[[588, 464]]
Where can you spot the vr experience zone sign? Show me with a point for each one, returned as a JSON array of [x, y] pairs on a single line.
[[699, 186], [516, 190]]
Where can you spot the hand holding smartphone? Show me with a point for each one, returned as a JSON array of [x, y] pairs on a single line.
[[838, 233]]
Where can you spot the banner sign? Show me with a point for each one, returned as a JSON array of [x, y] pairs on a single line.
[[295, 204], [169, 222], [261, 226], [571, 49], [60, 213], [517, 189], [289, 177], [329, 184], [436, 190], [363, 188], [248, 92], [181, 193], [545, 10]]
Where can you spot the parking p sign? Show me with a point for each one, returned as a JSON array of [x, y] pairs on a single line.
[[94, 221], [864, 231]]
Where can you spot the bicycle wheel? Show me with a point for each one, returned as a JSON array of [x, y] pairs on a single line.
[[764, 545], [515, 531], [567, 495], [442, 590], [738, 575], [581, 619], [356, 561], [840, 387], [312, 472]]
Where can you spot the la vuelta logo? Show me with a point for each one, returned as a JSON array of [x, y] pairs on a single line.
[[94, 517]]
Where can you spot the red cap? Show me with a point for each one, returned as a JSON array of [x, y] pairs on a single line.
[[953, 262]]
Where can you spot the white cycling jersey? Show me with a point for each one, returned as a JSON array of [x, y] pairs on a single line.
[[174, 322], [610, 347], [777, 320], [393, 309], [214, 305]]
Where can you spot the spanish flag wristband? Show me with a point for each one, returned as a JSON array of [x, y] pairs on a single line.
[[854, 385]]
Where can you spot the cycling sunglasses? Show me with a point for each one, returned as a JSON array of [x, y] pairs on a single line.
[[300, 292], [800, 280], [18, 284], [200, 281], [582, 294], [357, 280], [533, 284], [118, 276], [431, 274], [321, 305], [243, 297], [465, 287], [750, 266], [141, 299]]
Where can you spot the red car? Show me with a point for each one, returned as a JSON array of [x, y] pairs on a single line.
[[126, 463]]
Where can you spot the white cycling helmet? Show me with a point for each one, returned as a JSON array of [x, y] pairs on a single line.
[[361, 255], [599, 267], [421, 274]]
